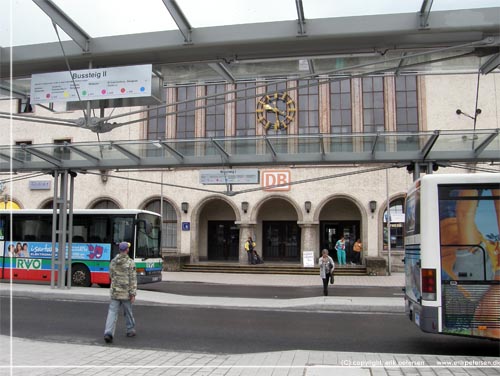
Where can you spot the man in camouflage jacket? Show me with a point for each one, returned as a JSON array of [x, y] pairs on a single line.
[[123, 290]]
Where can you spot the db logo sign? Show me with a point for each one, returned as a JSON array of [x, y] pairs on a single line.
[[275, 180]]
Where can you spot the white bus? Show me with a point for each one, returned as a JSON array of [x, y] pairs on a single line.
[[26, 244], [452, 252]]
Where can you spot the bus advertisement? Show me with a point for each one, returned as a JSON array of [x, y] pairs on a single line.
[[26, 244], [452, 254]]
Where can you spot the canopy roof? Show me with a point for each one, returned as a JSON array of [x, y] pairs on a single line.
[[403, 148]]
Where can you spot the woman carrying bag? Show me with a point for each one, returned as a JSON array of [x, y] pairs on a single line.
[[326, 267]]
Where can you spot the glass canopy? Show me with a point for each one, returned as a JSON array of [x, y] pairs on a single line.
[[394, 148]]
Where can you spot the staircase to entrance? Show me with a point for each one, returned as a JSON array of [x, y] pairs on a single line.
[[267, 268]]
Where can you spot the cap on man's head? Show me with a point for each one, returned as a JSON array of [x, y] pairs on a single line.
[[124, 246]]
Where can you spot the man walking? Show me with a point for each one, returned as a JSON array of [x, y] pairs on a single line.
[[123, 290]]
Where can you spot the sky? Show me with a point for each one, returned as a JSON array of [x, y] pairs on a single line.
[[22, 22]]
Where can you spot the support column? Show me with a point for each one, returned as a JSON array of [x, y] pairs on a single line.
[[309, 239], [246, 230]]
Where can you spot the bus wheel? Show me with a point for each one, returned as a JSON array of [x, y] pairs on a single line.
[[80, 276]]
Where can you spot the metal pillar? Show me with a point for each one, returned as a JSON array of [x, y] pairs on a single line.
[[62, 228]]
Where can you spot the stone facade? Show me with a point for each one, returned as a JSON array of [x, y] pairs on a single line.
[[335, 200]]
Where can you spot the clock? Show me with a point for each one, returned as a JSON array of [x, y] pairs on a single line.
[[276, 110]]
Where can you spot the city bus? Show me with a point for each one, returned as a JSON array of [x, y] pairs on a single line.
[[26, 244], [452, 251]]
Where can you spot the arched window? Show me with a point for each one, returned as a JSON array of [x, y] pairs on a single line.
[[105, 204], [169, 228], [47, 205], [397, 220]]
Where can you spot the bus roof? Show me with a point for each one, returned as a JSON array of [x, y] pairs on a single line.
[[83, 211], [460, 178]]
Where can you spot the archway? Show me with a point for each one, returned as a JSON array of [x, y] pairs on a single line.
[[340, 216], [219, 235], [281, 234]]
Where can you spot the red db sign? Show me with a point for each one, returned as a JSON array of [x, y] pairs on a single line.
[[275, 180]]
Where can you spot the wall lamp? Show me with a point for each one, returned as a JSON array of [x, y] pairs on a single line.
[[104, 175], [185, 207], [307, 205], [244, 206], [373, 206]]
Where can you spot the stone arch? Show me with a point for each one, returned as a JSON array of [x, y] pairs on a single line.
[[382, 223], [104, 198], [167, 243], [254, 212], [46, 203], [340, 214], [10, 202], [199, 223]]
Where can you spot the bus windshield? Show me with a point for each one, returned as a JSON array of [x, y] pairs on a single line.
[[148, 236]]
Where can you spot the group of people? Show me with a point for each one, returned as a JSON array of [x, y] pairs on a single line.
[[340, 247], [19, 250]]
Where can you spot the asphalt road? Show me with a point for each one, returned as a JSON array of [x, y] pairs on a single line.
[[231, 331], [268, 292]]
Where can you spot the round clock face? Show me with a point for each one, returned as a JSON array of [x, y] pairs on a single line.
[[276, 110]]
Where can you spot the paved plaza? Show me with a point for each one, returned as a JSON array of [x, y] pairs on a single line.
[[38, 357]]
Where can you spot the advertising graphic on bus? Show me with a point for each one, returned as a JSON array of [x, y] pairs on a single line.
[[27, 249], [452, 254]]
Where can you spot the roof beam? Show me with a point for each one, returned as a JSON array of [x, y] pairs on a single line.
[[128, 154], [180, 19], [430, 143], [425, 11], [171, 150], [491, 64], [81, 153], [42, 155], [223, 71], [270, 146], [486, 142], [70, 27], [221, 150], [301, 18]]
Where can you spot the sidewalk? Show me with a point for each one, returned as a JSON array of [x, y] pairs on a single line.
[[319, 303], [34, 358]]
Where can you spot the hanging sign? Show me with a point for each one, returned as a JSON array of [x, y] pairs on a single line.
[[92, 84]]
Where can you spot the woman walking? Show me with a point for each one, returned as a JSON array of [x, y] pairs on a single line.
[[326, 267]]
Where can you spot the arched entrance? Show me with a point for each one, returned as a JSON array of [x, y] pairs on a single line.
[[339, 217], [219, 235], [280, 231]]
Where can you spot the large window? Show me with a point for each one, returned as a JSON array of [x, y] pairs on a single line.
[[308, 103], [406, 104], [373, 104], [185, 112], [215, 113], [157, 121], [341, 107], [169, 226], [245, 109]]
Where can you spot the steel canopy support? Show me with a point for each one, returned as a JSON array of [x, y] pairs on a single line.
[[69, 26], [491, 64], [486, 142], [223, 71], [301, 18], [430, 143], [172, 151], [180, 19], [129, 155], [40, 154], [270, 146], [425, 11], [221, 150]]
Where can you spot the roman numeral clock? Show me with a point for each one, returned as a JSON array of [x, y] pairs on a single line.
[[276, 110]]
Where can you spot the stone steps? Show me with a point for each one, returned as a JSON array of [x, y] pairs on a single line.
[[277, 268]]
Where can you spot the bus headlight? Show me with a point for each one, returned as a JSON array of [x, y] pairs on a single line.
[[141, 271]]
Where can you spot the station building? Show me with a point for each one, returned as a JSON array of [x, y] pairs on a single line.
[[322, 201]]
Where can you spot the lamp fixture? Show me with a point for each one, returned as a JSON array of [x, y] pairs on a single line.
[[307, 205], [244, 206], [373, 206], [185, 207], [104, 175]]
